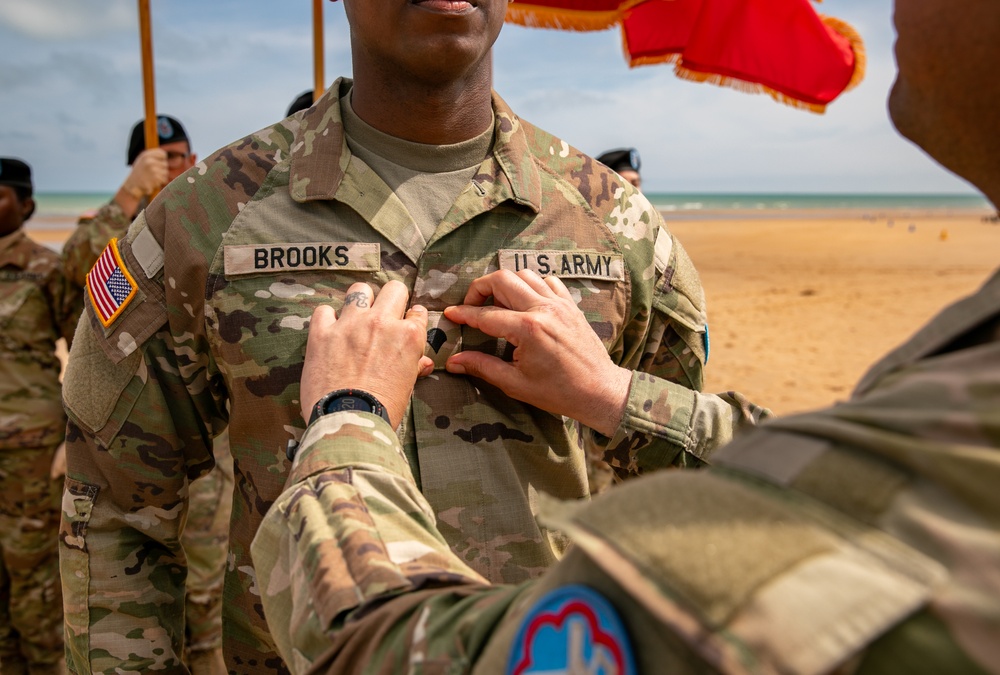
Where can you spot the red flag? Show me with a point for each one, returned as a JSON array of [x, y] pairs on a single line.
[[781, 47]]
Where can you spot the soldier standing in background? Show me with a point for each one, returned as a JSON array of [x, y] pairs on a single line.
[[37, 308], [859, 539], [414, 172], [206, 534]]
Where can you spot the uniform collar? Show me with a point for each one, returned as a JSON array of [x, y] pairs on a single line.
[[320, 157], [11, 241]]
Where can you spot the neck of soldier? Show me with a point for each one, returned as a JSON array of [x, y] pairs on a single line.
[[425, 110]]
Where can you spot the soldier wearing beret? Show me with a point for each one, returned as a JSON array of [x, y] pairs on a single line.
[[858, 539], [415, 172], [37, 308]]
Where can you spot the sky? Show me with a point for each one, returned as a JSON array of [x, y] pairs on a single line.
[[71, 89]]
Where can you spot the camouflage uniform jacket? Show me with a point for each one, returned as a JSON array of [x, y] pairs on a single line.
[[36, 309], [229, 262], [861, 538], [88, 240]]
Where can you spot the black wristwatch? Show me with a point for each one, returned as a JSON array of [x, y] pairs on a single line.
[[348, 399]]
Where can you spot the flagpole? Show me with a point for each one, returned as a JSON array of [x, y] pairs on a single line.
[[320, 81], [148, 82]]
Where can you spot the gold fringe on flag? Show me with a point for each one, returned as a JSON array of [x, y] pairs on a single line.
[[562, 19], [746, 87], [857, 46], [539, 16], [536, 16]]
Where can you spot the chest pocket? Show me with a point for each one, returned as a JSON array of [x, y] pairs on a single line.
[[596, 279], [259, 323], [26, 324], [12, 297]]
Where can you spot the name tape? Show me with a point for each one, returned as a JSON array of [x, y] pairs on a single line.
[[304, 257], [565, 264]]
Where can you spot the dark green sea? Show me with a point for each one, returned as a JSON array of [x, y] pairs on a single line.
[[61, 209]]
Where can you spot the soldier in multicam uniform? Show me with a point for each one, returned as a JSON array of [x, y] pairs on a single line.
[[205, 536], [413, 172], [862, 538], [37, 308]]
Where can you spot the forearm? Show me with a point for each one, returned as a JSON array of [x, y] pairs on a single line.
[[667, 424], [350, 530], [128, 200]]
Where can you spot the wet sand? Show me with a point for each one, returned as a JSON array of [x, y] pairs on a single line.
[[801, 304]]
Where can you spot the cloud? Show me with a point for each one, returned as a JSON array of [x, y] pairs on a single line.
[[66, 19]]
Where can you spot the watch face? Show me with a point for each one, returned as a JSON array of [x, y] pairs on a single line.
[[348, 403], [350, 400]]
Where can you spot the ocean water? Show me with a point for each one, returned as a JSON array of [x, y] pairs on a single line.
[[59, 209], [695, 205]]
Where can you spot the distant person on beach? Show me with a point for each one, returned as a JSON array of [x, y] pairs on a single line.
[[206, 533], [415, 172], [863, 538], [625, 162], [37, 308]]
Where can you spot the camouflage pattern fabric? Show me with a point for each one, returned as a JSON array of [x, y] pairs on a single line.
[[31, 635], [37, 308], [857, 539], [206, 542], [206, 534], [231, 259]]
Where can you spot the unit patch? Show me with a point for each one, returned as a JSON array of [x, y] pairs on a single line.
[[565, 264], [573, 629], [109, 285], [302, 257]]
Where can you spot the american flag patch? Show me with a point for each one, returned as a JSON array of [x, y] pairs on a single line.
[[109, 285]]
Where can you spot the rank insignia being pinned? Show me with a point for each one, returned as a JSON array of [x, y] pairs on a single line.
[[573, 629], [109, 285]]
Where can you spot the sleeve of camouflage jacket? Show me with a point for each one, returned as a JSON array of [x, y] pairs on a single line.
[[351, 530], [66, 301], [143, 405], [92, 234], [668, 420]]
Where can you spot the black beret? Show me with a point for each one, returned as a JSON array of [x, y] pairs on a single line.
[[304, 100], [167, 128], [620, 159], [15, 173]]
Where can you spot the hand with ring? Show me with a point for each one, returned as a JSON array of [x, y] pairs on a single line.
[[374, 345]]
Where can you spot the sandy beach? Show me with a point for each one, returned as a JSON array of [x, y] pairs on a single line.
[[800, 304], [799, 307]]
